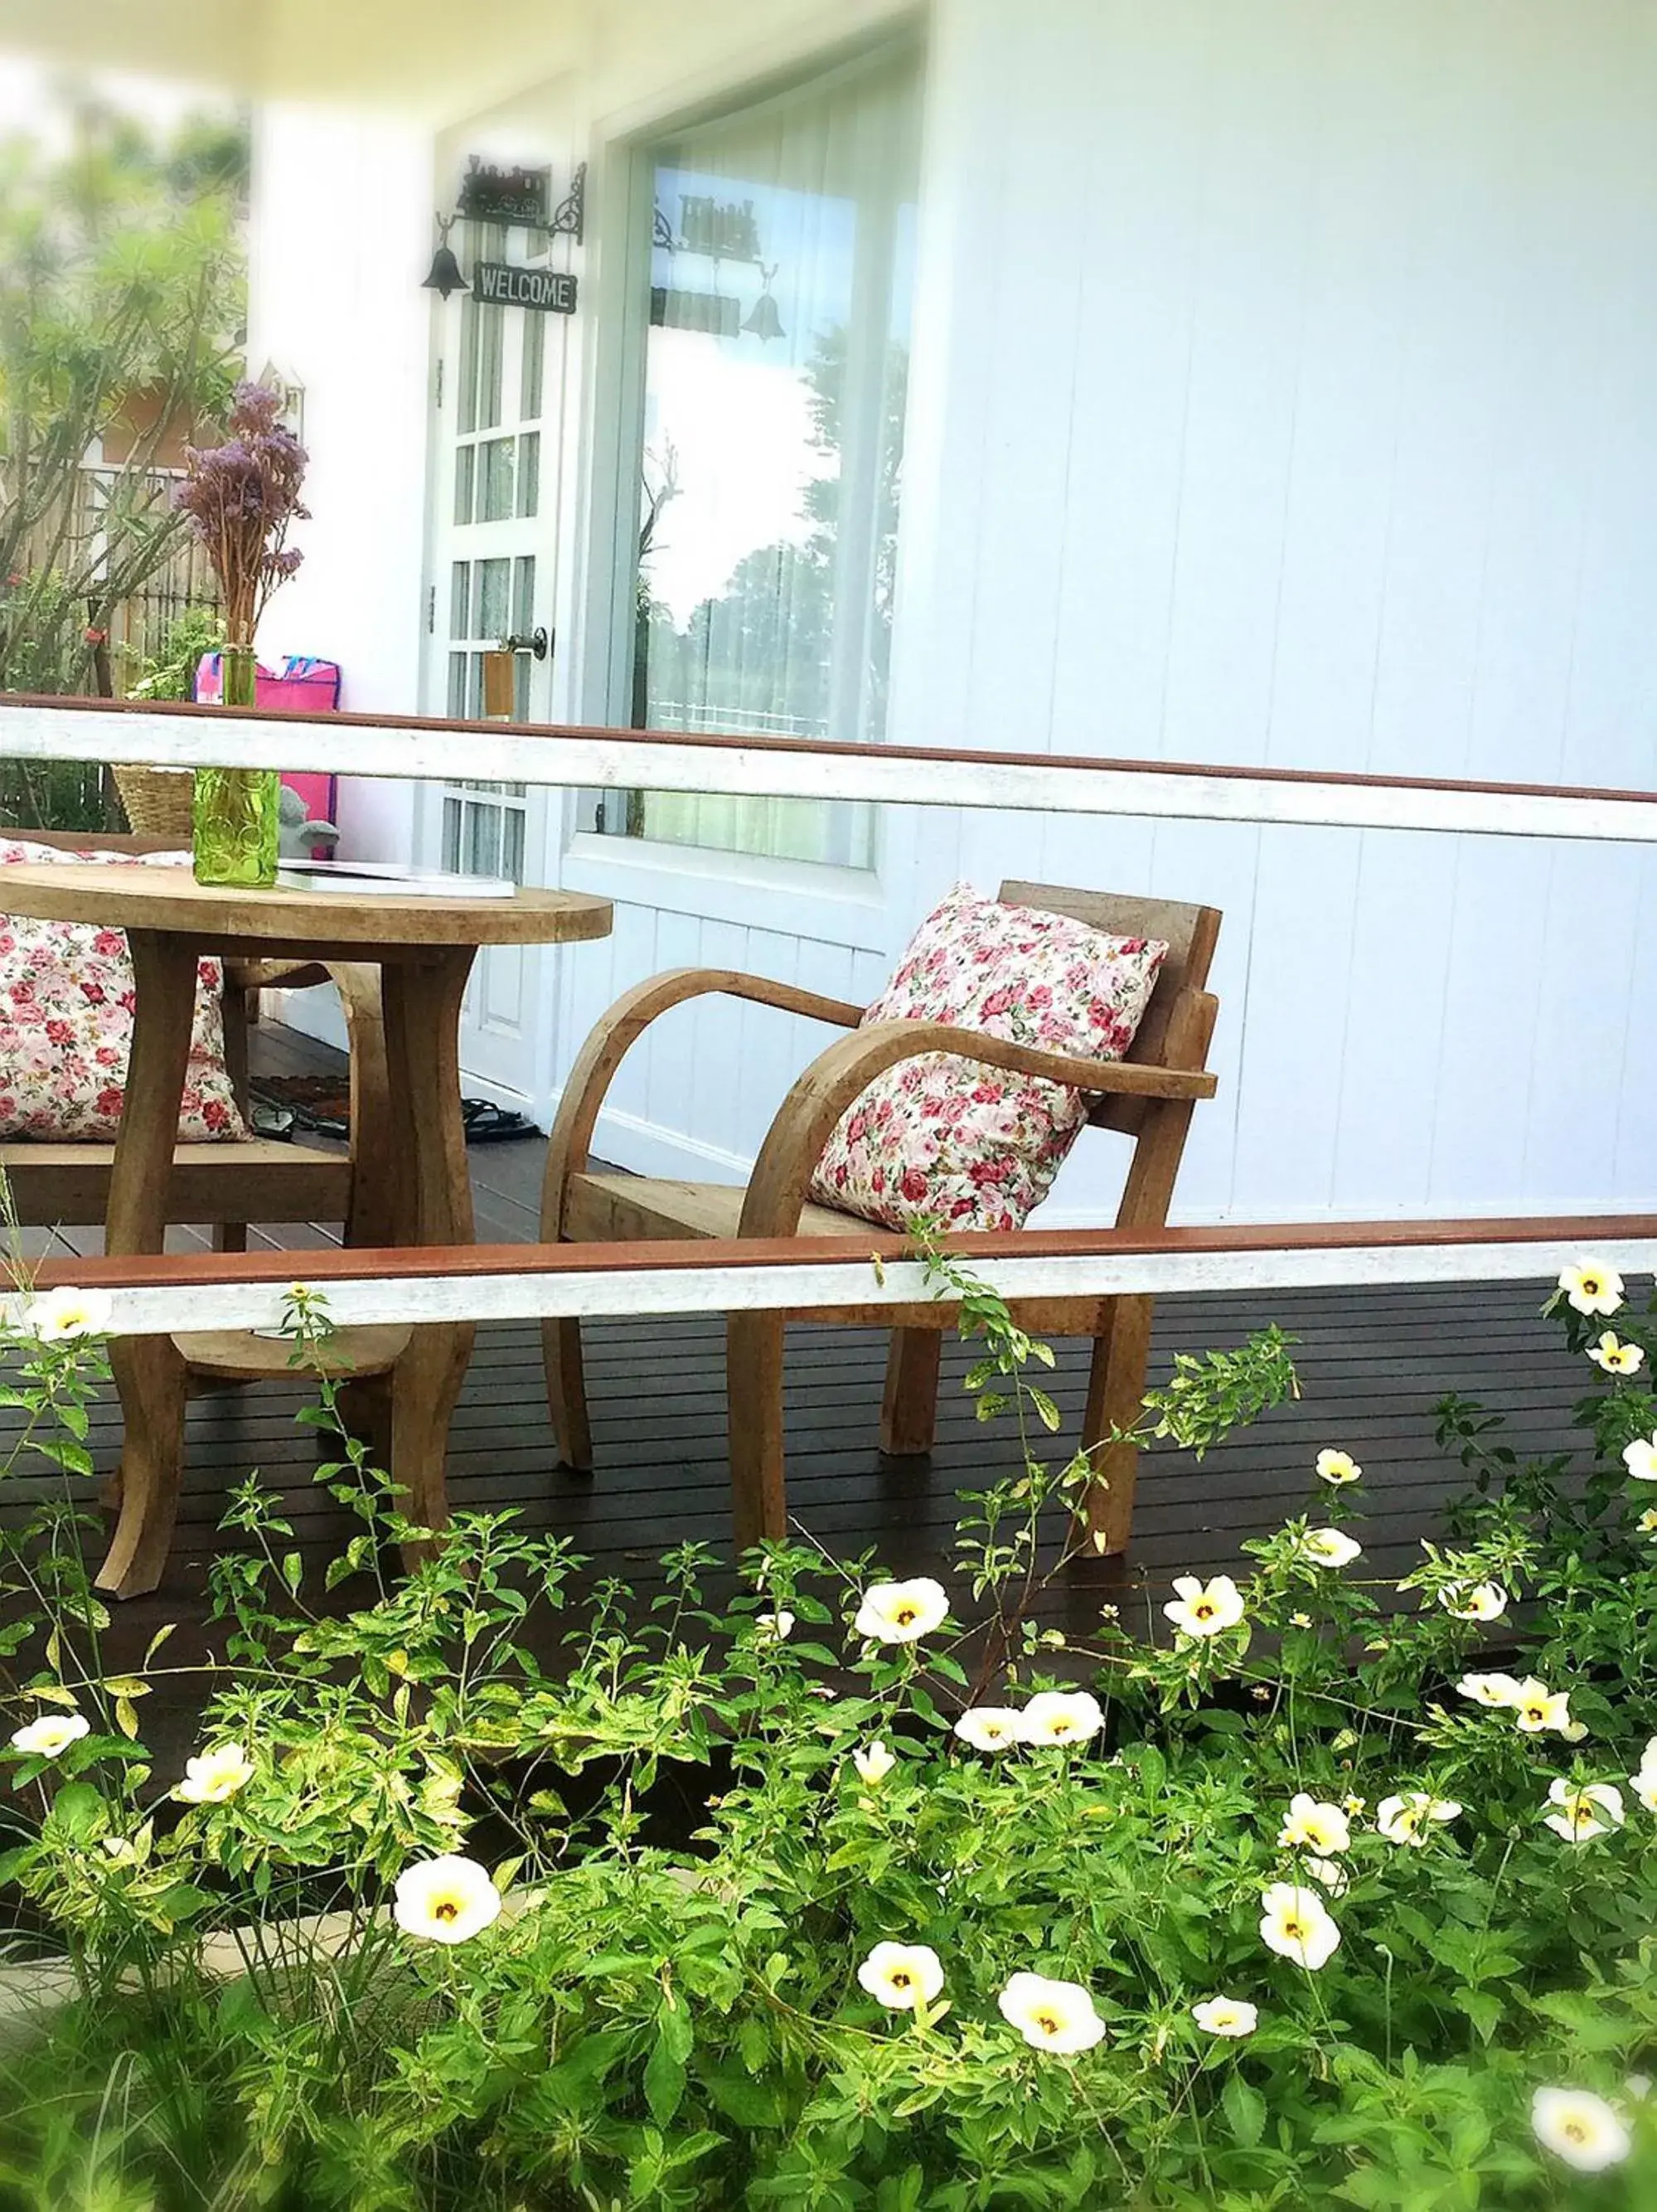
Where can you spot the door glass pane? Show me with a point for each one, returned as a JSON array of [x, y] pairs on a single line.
[[482, 840], [494, 498], [534, 367], [458, 703], [459, 599], [511, 844], [522, 595], [465, 461], [493, 616], [529, 473], [774, 388], [451, 830]]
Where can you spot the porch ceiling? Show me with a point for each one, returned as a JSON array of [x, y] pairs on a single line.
[[428, 59]]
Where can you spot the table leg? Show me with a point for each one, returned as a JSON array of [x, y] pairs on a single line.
[[149, 1374], [431, 1203]]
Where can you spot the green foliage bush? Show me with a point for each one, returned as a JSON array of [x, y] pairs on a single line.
[[267, 2005]]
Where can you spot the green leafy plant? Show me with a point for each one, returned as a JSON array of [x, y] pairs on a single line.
[[1339, 1891]]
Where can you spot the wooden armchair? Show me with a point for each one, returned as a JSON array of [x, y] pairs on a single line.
[[222, 1186], [1148, 1096]]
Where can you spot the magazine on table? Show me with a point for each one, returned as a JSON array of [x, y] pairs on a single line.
[[388, 879]]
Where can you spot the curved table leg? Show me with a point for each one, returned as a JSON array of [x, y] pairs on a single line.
[[149, 1374], [431, 1203]]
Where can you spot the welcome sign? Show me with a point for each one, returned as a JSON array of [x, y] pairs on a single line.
[[550, 291]]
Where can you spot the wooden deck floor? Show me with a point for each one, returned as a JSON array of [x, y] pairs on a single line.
[[1372, 1365]]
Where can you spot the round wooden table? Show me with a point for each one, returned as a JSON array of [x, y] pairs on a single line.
[[424, 948]]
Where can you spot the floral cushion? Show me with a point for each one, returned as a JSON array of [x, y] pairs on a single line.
[[956, 1141], [66, 999]]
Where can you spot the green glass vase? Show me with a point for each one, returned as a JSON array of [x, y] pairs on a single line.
[[235, 819]]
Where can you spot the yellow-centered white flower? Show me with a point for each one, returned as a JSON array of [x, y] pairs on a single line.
[[1226, 2016], [1409, 1817], [1494, 1690], [1538, 1708], [445, 1900], [1310, 1825], [901, 1975], [1579, 2127], [1483, 1601], [1205, 1608], [1591, 1288], [51, 1734], [1328, 1548], [874, 1762], [1615, 1356], [773, 1627], [991, 1727], [57, 1315], [1338, 1467], [899, 1613], [1060, 1717], [1647, 1521], [1640, 1458], [1585, 1810], [1297, 1924], [215, 1775], [1056, 2016]]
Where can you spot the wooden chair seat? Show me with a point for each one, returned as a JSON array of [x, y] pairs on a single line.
[[1148, 1096], [606, 1209], [215, 1184]]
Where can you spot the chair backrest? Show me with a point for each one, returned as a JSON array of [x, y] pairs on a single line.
[[1190, 933]]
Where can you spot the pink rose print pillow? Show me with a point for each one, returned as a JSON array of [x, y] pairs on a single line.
[[956, 1141], [66, 999]]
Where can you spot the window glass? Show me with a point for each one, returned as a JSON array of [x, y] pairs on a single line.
[[775, 370]]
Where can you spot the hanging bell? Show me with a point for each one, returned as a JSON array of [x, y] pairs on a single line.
[[763, 320], [444, 276]]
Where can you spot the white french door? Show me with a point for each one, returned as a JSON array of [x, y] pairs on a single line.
[[500, 403]]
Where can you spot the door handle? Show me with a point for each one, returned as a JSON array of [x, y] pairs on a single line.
[[537, 643]]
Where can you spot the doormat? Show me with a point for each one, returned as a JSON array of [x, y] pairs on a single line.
[[322, 1104]]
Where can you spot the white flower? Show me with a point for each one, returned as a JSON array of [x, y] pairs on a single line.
[[1051, 2015], [901, 1975], [1579, 1818], [51, 1734], [1640, 1458], [1330, 1873], [1338, 1467], [60, 1315], [874, 1763], [991, 1727], [1647, 1521], [1644, 1786], [1483, 1601], [216, 1775], [1060, 1717], [1311, 1826], [1536, 1707], [1615, 1357], [1408, 1819], [898, 1612], [1296, 1924], [1580, 2128], [445, 1900], [1496, 1689], [1591, 1289], [1205, 1608], [773, 1627], [1327, 1547], [1638, 2087], [1226, 2016]]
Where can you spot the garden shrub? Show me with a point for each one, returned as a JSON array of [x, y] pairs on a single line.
[[1340, 1894]]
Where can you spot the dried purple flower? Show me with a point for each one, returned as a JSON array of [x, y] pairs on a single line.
[[240, 497]]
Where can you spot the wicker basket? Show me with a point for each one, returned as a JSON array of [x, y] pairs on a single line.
[[156, 800]]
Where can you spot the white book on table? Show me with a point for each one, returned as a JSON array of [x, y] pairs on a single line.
[[386, 880]]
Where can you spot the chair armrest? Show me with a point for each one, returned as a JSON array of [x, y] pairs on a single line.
[[615, 1031], [807, 1117]]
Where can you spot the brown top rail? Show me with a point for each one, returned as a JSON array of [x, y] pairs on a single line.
[[824, 748]]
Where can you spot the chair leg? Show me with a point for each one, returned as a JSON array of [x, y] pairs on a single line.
[[1116, 1385], [566, 1392], [908, 1412], [230, 1236], [753, 1358], [153, 1381]]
